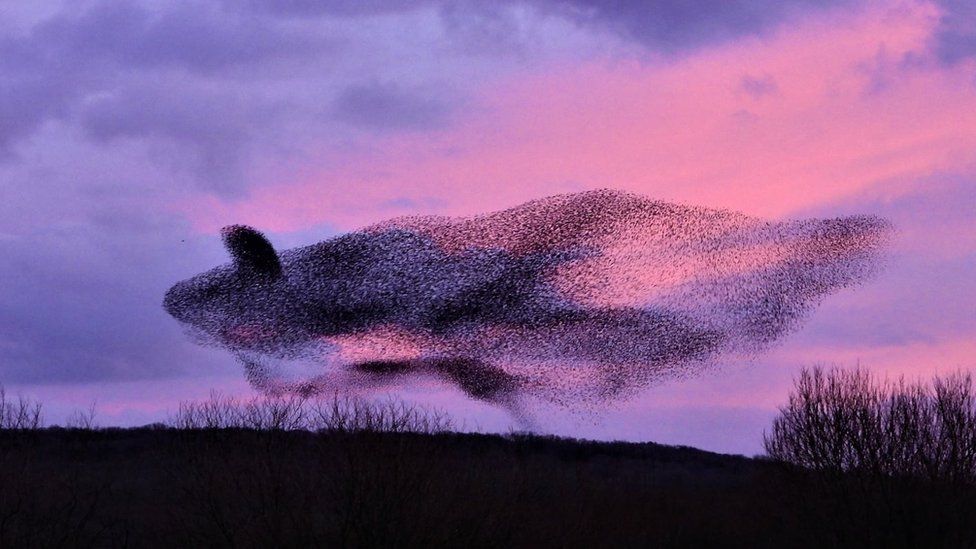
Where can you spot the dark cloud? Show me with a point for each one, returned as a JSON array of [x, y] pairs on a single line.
[[344, 8], [172, 70], [673, 26], [670, 26], [759, 87], [196, 37], [481, 28], [386, 105], [956, 36], [25, 104], [212, 130], [619, 289]]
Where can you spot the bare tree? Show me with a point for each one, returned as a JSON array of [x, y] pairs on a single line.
[[881, 463], [274, 413], [82, 419], [217, 412], [390, 415], [845, 421], [20, 414]]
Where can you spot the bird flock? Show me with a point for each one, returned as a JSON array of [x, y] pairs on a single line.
[[577, 299]]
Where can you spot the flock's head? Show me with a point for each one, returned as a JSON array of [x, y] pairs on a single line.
[[242, 305]]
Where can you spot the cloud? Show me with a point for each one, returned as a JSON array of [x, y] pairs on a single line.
[[128, 70], [758, 87], [385, 105], [345, 8], [227, 94], [956, 37], [680, 130], [25, 104], [195, 37], [83, 65], [673, 26], [212, 130], [488, 29], [669, 26]]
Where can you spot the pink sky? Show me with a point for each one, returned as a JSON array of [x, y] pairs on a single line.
[[811, 114]]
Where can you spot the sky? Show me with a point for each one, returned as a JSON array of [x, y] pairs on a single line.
[[132, 131]]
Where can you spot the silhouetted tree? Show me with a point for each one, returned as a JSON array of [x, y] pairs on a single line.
[[885, 462], [844, 421], [20, 413]]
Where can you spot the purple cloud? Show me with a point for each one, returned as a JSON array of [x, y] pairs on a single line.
[[385, 105], [25, 103], [672, 26], [344, 8], [758, 87], [79, 66], [212, 129], [956, 37], [110, 68], [198, 38]]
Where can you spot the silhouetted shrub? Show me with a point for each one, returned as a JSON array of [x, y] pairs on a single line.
[[345, 414], [338, 414], [217, 412], [82, 419]]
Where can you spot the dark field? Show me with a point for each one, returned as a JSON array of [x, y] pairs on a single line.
[[164, 487]]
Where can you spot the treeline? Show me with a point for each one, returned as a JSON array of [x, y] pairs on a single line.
[[370, 475], [846, 422], [288, 412], [852, 462], [338, 414], [896, 461]]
